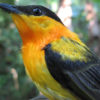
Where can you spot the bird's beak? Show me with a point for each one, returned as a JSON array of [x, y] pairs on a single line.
[[9, 8]]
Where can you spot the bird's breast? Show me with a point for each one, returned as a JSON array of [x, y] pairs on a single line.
[[36, 68], [33, 61]]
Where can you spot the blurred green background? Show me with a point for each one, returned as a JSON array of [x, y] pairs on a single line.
[[14, 83]]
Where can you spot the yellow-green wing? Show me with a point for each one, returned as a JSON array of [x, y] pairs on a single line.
[[75, 67]]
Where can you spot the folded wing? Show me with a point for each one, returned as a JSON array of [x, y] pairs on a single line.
[[75, 67]]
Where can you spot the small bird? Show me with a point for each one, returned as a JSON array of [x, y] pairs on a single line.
[[59, 63]]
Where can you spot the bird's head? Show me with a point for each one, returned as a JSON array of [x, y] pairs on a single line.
[[37, 24]]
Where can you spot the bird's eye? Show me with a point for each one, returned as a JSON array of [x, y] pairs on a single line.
[[37, 12]]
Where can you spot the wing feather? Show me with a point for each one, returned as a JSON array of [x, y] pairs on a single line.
[[78, 70]]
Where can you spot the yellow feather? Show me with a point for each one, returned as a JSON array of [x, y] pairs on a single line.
[[36, 68], [36, 33], [70, 49]]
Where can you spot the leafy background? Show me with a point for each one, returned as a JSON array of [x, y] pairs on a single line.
[[14, 83]]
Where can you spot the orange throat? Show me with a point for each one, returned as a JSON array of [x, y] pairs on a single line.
[[36, 33], [41, 30]]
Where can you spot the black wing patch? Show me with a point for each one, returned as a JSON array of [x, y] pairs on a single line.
[[83, 79]]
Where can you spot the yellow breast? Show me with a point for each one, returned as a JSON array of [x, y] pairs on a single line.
[[34, 61]]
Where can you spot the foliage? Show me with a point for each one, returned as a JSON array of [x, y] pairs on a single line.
[[80, 24], [96, 1], [27, 2]]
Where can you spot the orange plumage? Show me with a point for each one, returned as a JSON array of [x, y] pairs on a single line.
[[61, 66]]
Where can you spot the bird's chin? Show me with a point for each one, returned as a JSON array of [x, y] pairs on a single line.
[[19, 22]]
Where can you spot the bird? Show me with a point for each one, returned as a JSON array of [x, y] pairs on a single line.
[[59, 63]]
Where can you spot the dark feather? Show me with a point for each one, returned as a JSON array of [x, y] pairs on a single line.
[[81, 78], [35, 10]]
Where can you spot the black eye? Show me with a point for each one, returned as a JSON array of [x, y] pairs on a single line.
[[37, 12]]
